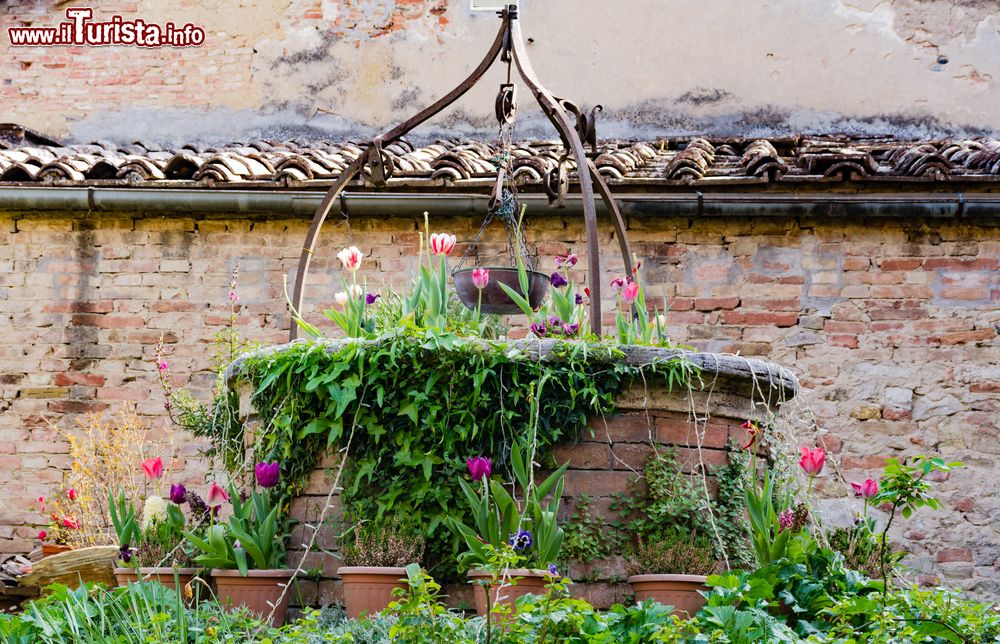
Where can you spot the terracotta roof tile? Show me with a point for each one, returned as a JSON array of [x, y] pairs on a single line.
[[667, 162]]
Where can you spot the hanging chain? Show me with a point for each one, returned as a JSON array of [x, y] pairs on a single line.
[[504, 203]]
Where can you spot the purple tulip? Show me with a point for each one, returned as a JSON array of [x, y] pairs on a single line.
[[521, 540], [177, 493], [558, 280], [267, 474], [539, 329], [579, 299], [479, 467], [371, 298]]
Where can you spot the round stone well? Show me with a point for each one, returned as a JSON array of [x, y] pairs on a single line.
[[697, 421]]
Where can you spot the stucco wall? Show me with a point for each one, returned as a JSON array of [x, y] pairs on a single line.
[[278, 67], [891, 326]]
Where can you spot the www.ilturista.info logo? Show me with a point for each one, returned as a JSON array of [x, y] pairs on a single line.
[[79, 29]]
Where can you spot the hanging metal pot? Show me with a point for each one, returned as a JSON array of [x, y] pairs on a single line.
[[495, 300]]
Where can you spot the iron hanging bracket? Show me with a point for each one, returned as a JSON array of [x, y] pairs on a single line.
[[509, 46]]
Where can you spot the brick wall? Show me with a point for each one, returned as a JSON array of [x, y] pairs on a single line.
[[891, 327]]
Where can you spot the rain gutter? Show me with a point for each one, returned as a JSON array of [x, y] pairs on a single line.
[[212, 201]]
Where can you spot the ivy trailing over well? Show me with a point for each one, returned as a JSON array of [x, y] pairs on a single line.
[[419, 403]]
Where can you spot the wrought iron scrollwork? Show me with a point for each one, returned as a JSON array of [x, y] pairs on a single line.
[[574, 131]]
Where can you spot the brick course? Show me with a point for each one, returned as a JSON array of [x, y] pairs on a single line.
[[892, 329]]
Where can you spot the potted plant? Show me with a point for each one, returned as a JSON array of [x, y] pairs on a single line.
[[672, 571], [247, 553], [529, 529], [56, 536], [154, 547], [375, 556]]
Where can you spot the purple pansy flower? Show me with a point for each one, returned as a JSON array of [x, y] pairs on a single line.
[[521, 540], [539, 329]]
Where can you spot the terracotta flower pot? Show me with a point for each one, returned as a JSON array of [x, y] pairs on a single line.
[[257, 592], [529, 582], [49, 549], [679, 591], [163, 575], [495, 300], [368, 589]]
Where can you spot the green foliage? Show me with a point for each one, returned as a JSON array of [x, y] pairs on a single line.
[[769, 540], [253, 538], [162, 542], [861, 547], [672, 503], [497, 515], [123, 519], [139, 613], [415, 406], [587, 537]]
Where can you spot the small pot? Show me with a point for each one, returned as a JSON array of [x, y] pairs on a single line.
[[679, 591], [163, 575], [49, 549], [494, 298], [529, 582], [257, 592], [368, 589]]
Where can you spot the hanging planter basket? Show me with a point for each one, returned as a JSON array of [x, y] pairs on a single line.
[[494, 298]]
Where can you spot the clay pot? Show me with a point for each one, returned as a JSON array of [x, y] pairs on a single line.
[[529, 582], [494, 298], [679, 591], [368, 589], [49, 549], [164, 575], [257, 592]]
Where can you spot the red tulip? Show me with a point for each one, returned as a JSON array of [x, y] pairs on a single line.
[[42, 534], [812, 460], [153, 468], [754, 434], [866, 490], [216, 494], [350, 258], [71, 493], [442, 243]]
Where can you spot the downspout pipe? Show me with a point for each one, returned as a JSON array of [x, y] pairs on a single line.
[[201, 202]]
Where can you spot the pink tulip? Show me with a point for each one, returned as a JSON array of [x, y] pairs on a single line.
[[480, 277], [442, 243], [866, 490], [350, 258], [630, 292], [812, 460], [71, 493], [42, 534], [153, 468], [216, 494], [479, 467], [617, 285]]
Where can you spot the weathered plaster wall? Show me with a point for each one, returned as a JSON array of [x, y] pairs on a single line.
[[891, 326], [659, 66]]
